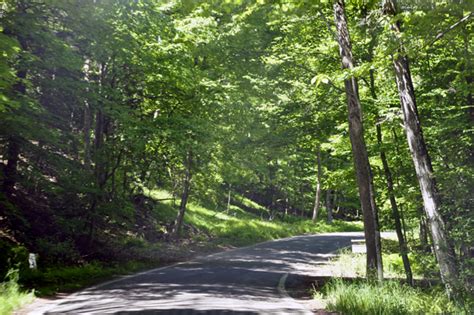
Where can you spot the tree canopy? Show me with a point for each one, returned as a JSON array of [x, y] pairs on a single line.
[[102, 102]]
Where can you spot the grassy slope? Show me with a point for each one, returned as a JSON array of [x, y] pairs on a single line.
[[238, 227]]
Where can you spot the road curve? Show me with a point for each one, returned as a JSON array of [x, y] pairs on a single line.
[[247, 280]]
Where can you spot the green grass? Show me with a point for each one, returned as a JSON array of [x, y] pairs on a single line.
[[239, 228], [423, 265], [390, 297], [70, 278], [252, 204], [11, 297], [354, 265], [348, 264]]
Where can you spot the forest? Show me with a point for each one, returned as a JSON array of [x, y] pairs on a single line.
[[126, 125]]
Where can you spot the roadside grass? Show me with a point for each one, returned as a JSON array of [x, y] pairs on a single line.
[[355, 295], [423, 265], [68, 279], [141, 256], [11, 296], [390, 297]]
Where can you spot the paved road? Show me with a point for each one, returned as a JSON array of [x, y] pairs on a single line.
[[243, 281]]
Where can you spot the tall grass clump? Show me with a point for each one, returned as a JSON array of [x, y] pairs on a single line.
[[390, 297], [11, 297]]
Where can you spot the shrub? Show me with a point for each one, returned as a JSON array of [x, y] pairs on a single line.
[[11, 296], [12, 256], [54, 252]]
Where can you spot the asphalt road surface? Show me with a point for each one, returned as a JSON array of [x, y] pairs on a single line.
[[248, 280]]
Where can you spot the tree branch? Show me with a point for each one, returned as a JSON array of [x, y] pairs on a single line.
[[441, 34]]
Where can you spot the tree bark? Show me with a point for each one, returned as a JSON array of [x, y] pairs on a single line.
[[317, 198], [329, 204], [395, 213], [87, 135], [87, 122], [301, 200], [176, 232], [424, 235], [335, 207], [228, 198], [359, 151], [98, 141], [443, 249]]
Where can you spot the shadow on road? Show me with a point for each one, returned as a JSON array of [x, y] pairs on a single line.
[[188, 311]]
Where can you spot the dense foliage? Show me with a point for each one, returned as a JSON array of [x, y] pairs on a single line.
[[102, 102]]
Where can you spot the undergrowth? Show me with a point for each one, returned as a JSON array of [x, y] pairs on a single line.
[[11, 296], [70, 278], [390, 297], [423, 265]]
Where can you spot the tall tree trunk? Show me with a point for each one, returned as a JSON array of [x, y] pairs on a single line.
[[443, 249], [175, 234], [359, 151], [335, 206], [228, 198], [391, 193], [329, 204], [87, 122], [87, 135], [317, 198], [395, 213], [424, 234], [301, 201], [98, 141]]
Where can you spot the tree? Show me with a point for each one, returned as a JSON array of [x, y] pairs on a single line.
[[359, 151], [421, 159], [103, 103], [317, 198]]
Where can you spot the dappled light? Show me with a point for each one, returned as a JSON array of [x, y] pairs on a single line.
[[147, 134]]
